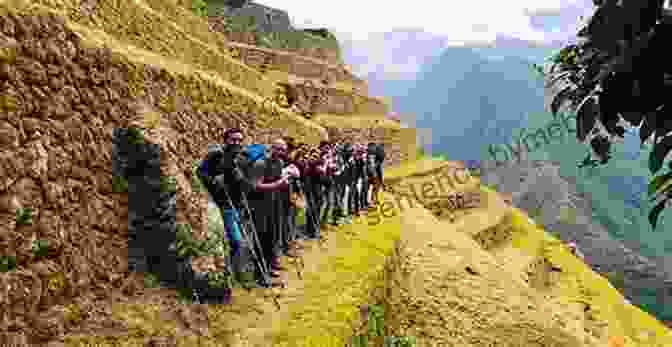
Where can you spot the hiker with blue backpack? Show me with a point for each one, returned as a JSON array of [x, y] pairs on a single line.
[[270, 199], [226, 183]]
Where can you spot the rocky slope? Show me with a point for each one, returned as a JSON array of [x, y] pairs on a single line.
[[105, 106], [537, 188]]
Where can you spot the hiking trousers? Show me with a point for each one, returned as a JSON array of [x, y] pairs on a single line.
[[328, 204], [309, 211], [353, 196], [364, 193], [239, 254]]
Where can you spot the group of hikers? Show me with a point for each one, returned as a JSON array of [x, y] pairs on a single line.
[[261, 189]]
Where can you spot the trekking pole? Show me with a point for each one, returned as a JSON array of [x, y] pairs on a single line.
[[298, 259], [311, 205], [252, 240], [260, 259]]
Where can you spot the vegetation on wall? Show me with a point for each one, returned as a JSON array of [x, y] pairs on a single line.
[[199, 7], [288, 40]]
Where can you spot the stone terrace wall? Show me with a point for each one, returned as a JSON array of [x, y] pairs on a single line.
[[163, 28], [295, 64], [339, 102], [60, 100], [396, 149], [217, 23]]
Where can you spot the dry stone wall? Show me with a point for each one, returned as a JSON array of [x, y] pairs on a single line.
[[60, 101], [158, 26], [396, 149], [295, 64], [337, 102], [152, 226]]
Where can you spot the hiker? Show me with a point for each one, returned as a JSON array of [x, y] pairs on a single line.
[[270, 201], [351, 174], [327, 171], [376, 154], [356, 167], [363, 178], [297, 200], [343, 178], [314, 187], [226, 184]]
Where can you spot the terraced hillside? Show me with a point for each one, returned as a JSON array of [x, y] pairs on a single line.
[[71, 72]]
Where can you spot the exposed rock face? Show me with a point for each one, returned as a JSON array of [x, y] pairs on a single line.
[[537, 185], [296, 64], [60, 102], [266, 18], [394, 151]]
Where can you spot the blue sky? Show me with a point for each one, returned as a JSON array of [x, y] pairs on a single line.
[[393, 38]]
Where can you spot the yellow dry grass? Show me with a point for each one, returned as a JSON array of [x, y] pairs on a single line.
[[355, 121], [295, 125], [276, 76], [439, 300], [165, 29]]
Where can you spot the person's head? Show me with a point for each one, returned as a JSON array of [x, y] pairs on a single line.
[[291, 143], [325, 148], [233, 139], [233, 136], [279, 150]]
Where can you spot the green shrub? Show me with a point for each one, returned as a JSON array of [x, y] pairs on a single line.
[[40, 248], [186, 246], [196, 184], [24, 216], [7, 263], [376, 320], [135, 136], [151, 280], [168, 184], [119, 184], [219, 280], [420, 154], [199, 7]]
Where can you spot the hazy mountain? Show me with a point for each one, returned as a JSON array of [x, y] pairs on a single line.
[[474, 96]]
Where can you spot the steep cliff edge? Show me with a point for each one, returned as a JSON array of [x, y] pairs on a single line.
[[71, 72]]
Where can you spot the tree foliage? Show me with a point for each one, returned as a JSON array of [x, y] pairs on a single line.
[[618, 74]]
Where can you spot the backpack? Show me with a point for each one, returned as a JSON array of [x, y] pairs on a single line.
[[255, 151], [203, 167], [379, 152]]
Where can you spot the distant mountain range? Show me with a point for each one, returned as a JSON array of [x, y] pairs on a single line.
[[469, 97], [475, 96]]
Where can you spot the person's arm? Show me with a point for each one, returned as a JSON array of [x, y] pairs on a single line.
[[258, 174], [276, 185]]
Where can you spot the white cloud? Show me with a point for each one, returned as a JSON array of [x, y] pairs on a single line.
[[394, 38], [451, 18]]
